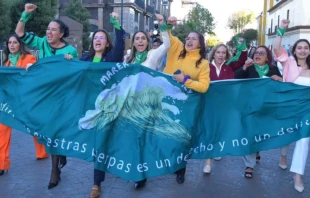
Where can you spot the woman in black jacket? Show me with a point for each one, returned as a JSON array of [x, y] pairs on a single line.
[[260, 66], [102, 50]]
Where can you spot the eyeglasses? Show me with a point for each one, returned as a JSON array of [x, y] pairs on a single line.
[[193, 39], [260, 53], [102, 38]]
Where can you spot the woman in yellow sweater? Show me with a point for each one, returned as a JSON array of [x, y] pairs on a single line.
[[188, 65], [189, 58]]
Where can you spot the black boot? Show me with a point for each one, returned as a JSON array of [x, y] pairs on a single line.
[[140, 184]]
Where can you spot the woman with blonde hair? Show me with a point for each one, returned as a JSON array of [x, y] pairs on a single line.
[[222, 67]]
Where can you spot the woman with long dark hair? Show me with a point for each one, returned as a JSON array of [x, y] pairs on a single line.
[[188, 65], [51, 44], [296, 69], [103, 50], [141, 53], [15, 55]]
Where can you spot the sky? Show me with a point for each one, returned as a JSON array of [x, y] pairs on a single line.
[[221, 10]]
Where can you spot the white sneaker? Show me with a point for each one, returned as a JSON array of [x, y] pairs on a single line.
[[207, 169], [217, 158]]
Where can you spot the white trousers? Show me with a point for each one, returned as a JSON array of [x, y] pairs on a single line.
[[300, 156]]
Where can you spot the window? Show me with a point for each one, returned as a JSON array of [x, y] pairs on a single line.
[[136, 16], [271, 26], [278, 20], [288, 14]]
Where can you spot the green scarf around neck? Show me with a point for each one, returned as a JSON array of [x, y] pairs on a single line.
[[262, 70], [239, 49], [14, 58], [140, 57]]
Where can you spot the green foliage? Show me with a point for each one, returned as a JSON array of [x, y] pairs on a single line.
[[212, 41], [42, 16], [203, 20], [76, 11], [5, 21], [199, 19], [249, 34], [183, 29], [238, 20]]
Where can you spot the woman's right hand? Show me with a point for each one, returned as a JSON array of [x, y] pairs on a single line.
[[284, 23], [68, 57], [159, 18], [29, 7], [172, 21], [247, 64]]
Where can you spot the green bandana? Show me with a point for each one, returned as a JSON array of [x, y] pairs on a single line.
[[164, 27], [26, 16], [115, 22], [240, 48], [14, 58], [140, 57], [281, 32], [262, 70]]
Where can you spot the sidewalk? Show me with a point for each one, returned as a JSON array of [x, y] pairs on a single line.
[[28, 178]]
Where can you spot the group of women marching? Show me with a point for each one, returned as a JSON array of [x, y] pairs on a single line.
[[187, 64]]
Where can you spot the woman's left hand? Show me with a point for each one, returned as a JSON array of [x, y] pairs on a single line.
[[277, 78], [115, 15], [179, 77], [68, 57]]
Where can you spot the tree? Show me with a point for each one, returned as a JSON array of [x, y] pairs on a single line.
[[199, 19], [202, 19], [250, 35], [212, 41], [238, 20], [44, 14], [76, 11], [5, 21], [183, 29]]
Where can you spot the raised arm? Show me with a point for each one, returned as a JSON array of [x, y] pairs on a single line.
[[26, 15], [280, 32], [238, 61], [176, 47], [117, 53], [28, 38], [158, 53]]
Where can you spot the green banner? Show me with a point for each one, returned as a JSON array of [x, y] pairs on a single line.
[[137, 123]]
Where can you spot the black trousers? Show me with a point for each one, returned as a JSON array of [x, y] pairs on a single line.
[[99, 177], [181, 171]]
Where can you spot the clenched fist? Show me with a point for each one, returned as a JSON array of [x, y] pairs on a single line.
[[29, 7]]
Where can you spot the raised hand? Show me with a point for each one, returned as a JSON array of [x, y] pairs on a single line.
[[240, 40], [29, 7], [284, 23], [115, 15], [160, 18], [172, 21], [248, 63]]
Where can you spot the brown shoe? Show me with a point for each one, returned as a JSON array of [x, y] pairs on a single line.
[[95, 192]]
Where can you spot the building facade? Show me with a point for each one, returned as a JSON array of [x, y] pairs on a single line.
[[136, 14], [297, 11]]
